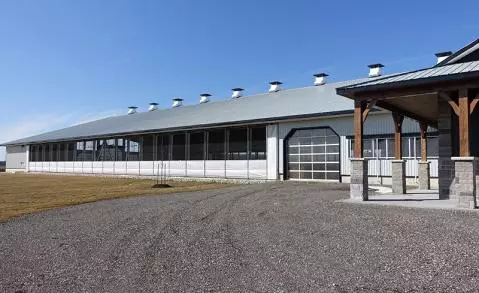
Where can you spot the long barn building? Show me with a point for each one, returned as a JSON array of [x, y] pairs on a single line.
[[283, 134]]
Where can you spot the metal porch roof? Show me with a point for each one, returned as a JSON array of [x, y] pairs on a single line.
[[453, 71]]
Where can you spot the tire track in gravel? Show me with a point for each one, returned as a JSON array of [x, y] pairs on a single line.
[[136, 234], [279, 275], [189, 216]]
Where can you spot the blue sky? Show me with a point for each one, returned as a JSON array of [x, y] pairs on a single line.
[[64, 62]]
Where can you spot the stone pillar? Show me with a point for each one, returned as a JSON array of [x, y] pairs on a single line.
[[424, 175], [399, 176], [445, 165], [359, 179], [465, 171]]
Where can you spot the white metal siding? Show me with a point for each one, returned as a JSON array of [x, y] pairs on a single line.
[[272, 151], [253, 169], [16, 157], [376, 124]]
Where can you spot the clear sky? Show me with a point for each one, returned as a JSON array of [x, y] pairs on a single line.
[[63, 62]]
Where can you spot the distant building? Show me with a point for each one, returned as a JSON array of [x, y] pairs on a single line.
[[283, 134], [3, 166]]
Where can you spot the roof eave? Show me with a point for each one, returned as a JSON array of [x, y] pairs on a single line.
[[352, 92], [186, 128]]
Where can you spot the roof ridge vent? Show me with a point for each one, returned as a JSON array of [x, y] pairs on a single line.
[[153, 107], [320, 78], [237, 92], [375, 70], [177, 102], [132, 110], [441, 56], [204, 98], [275, 86]]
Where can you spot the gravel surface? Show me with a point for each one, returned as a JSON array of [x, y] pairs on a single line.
[[275, 237]]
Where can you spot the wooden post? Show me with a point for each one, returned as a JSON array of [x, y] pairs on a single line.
[[464, 141], [398, 119], [423, 126], [358, 129]]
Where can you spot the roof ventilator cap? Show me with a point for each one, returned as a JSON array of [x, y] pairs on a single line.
[[237, 92], [441, 56], [177, 102], [204, 98], [320, 78], [375, 70], [275, 86], [132, 110], [153, 107]]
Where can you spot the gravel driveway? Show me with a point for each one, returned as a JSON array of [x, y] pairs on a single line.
[[252, 238]]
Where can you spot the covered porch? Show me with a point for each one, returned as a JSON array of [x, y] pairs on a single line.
[[443, 97]]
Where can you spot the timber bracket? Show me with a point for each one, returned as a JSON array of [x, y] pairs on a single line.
[[455, 106], [369, 105]]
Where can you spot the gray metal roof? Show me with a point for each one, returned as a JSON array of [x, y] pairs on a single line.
[[452, 71], [285, 104]]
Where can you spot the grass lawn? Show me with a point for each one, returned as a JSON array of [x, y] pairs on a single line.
[[27, 193]]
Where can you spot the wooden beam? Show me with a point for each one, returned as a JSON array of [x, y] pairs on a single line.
[[423, 127], [447, 98], [358, 129], [416, 117], [473, 105], [464, 131], [369, 106], [398, 120]]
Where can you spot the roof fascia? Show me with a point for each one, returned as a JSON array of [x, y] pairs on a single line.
[[459, 54]]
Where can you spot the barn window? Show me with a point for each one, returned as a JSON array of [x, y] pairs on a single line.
[[257, 143], [109, 150], [88, 151], [33, 153], [179, 147], [433, 147], [148, 149], [216, 144], [48, 152], [197, 146], [80, 149], [134, 148], [70, 152], [99, 148], [62, 152], [163, 147], [41, 153], [120, 149], [238, 144]]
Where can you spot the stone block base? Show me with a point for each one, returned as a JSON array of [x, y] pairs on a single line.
[[399, 176], [465, 182], [359, 179], [447, 176], [424, 176]]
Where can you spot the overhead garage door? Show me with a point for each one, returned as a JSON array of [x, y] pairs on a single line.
[[313, 154]]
